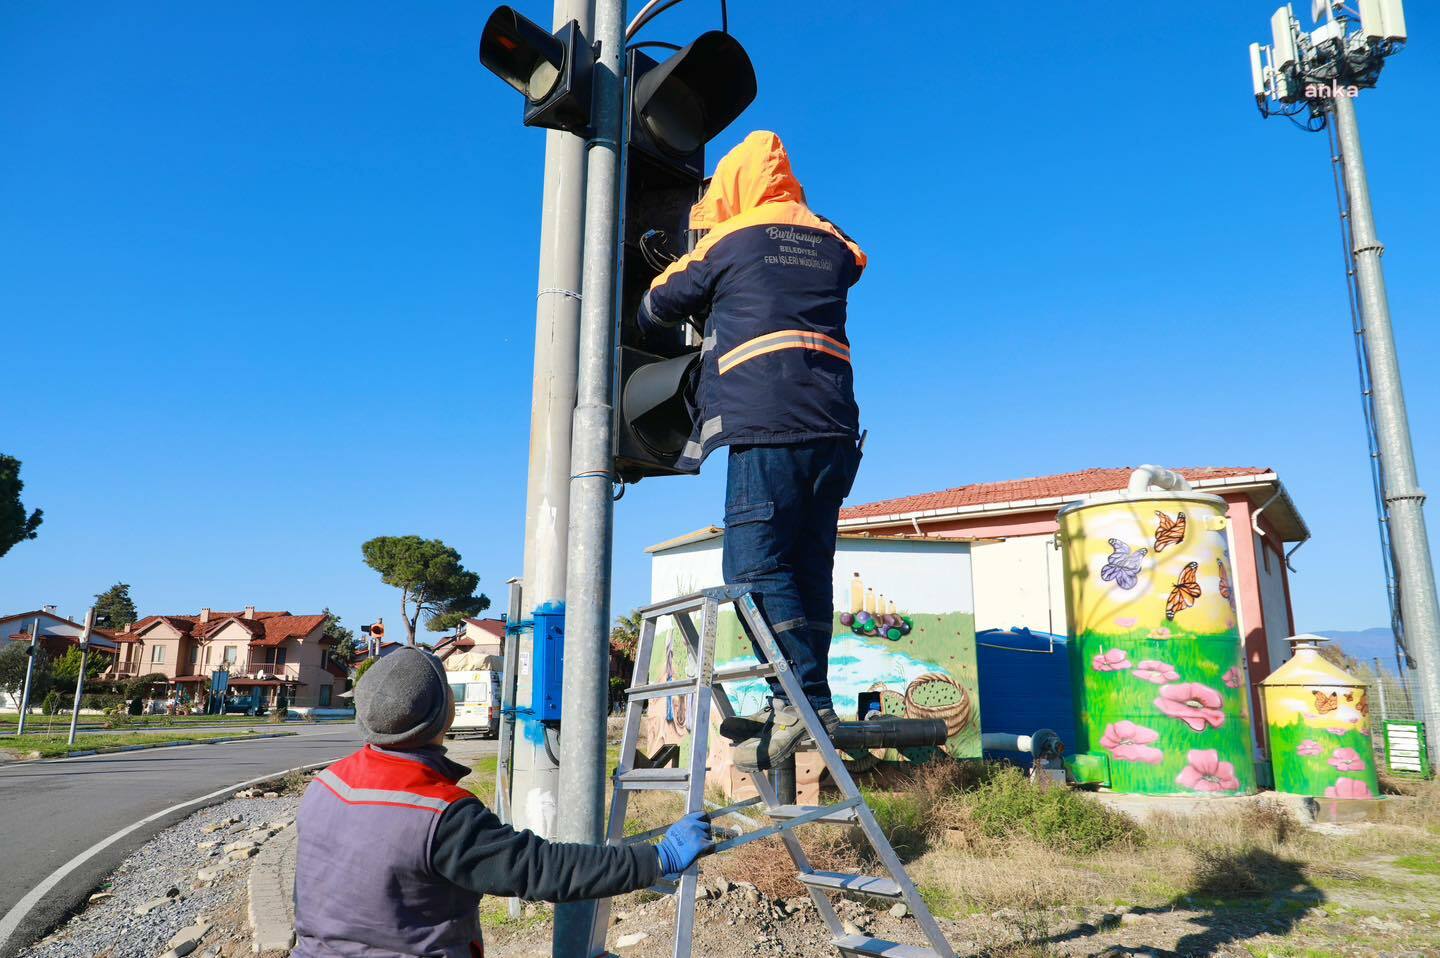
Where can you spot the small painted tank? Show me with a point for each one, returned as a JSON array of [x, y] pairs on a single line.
[[1157, 662], [1319, 720]]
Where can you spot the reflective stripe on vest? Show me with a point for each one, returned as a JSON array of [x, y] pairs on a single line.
[[378, 796], [785, 339]]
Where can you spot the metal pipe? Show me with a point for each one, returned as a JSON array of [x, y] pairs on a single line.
[[1255, 516], [535, 778], [587, 578], [505, 744], [1147, 476], [1404, 499], [80, 679], [29, 675]]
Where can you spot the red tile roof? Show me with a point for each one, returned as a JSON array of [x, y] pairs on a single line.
[[266, 628], [495, 627], [1086, 482]]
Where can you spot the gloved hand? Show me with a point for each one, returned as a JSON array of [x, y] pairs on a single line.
[[684, 842]]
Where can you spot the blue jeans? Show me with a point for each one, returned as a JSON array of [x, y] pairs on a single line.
[[782, 504]]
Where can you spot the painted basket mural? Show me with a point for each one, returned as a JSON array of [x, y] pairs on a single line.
[[1319, 720], [1157, 660]]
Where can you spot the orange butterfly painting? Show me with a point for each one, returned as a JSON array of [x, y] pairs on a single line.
[[1169, 532], [1325, 703], [1224, 580], [1186, 589]]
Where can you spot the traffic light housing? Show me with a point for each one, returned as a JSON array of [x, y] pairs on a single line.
[[552, 71], [676, 106]]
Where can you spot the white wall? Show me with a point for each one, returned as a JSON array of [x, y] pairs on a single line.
[[928, 576], [1019, 582], [1272, 598]]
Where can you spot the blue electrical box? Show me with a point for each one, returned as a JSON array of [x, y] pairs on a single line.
[[547, 675]]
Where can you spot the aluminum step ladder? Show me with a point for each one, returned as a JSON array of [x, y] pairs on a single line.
[[850, 810]]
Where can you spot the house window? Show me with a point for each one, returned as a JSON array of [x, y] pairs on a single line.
[[194, 654], [229, 655], [324, 696], [279, 657], [207, 655], [157, 655]]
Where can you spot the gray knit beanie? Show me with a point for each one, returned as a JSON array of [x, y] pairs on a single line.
[[401, 701]]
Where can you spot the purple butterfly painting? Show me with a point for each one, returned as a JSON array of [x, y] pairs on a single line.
[[1123, 566]]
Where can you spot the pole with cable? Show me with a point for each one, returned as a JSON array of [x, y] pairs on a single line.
[[31, 652], [80, 679], [587, 591]]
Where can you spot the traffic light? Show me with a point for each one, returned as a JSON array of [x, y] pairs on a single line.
[[675, 108], [551, 70]]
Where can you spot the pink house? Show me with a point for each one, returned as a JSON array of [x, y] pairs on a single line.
[[263, 652], [1018, 579]]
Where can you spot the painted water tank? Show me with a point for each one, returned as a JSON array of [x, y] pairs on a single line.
[[1319, 720], [1157, 663]]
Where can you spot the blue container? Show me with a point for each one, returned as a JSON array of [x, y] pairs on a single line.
[[1024, 685]]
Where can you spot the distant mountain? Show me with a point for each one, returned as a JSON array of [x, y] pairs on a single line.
[[1365, 644]]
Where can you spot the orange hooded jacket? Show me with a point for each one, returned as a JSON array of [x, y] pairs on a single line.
[[772, 279]]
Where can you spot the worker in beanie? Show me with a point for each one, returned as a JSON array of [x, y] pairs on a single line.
[[394, 855]]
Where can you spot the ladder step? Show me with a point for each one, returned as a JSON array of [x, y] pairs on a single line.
[[860, 884], [641, 779], [841, 816], [760, 670], [858, 946], [660, 690]]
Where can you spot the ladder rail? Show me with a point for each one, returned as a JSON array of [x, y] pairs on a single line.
[[702, 649], [843, 780]]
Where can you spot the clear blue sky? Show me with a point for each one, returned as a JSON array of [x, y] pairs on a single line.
[[267, 278]]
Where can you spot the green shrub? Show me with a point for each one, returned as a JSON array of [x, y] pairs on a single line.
[[905, 820], [1009, 804], [51, 705]]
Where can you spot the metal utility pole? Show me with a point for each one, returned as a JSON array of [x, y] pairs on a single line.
[[505, 761], [80, 679], [547, 492], [1320, 73], [1403, 497], [29, 675], [587, 592]]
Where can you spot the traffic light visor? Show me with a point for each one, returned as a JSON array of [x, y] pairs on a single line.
[[522, 53], [687, 100], [655, 407]]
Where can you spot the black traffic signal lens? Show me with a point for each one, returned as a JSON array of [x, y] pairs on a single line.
[[522, 53], [690, 97]]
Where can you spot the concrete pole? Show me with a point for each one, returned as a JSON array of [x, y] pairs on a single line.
[[80, 679], [1404, 499], [552, 405], [592, 505], [29, 675]]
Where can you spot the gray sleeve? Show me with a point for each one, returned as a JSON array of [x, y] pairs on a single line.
[[474, 850]]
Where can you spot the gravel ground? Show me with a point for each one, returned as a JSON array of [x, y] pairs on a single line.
[[167, 866]]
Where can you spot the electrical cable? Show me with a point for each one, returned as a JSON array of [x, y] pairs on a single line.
[[647, 13], [724, 17], [654, 43]]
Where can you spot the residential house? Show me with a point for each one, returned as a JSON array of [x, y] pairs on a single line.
[[57, 635], [262, 652], [481, 636]]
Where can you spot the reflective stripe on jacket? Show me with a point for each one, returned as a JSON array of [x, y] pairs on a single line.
[[773, 278], [364, 886]]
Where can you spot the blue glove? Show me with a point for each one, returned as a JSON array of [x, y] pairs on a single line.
[[684, 842]]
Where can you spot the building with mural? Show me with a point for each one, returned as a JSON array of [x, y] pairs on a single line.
[[904, 639]]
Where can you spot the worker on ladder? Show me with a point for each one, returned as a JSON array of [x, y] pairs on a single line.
[[770, 279]]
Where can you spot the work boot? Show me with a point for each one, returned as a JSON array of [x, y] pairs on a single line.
[[741, 727], [779, 740]]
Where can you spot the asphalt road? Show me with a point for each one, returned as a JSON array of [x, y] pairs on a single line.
[[52, 811]]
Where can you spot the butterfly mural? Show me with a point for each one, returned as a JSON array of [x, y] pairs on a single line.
[[1325, 703], [1123, 566], [1169, 532], [1225, 592], [1185, 591]]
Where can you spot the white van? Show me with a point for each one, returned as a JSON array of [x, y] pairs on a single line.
[[477, 694]]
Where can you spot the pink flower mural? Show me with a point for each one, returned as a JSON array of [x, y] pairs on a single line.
[[1163, 632], [1309, 747], [1233, 677], [1114, 660], [1206, 773], [1347, 760], [1153, 670], [1128, 622], [1129, 742], [1348, 788], [1336, 731], [1198, 706]]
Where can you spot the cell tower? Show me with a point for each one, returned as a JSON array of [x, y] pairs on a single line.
[[1313, 79]]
